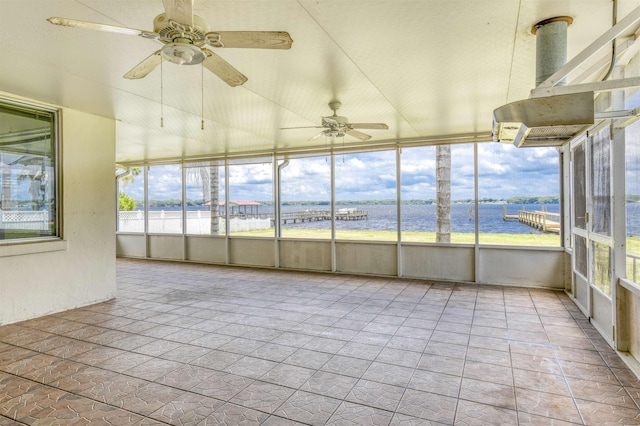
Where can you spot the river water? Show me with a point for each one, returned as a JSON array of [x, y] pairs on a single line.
[[422, 217]]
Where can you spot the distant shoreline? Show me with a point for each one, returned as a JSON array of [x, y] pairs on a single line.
[[386, 202]]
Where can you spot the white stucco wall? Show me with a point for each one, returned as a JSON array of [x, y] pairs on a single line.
[[43, 278]]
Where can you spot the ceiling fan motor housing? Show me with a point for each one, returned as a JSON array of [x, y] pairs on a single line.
[[169, 29], [335, 122]]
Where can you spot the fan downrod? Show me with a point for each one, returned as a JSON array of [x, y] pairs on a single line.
[[335, 106]]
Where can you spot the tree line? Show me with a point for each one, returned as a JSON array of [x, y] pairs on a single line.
[[512, 200], [127, 203]]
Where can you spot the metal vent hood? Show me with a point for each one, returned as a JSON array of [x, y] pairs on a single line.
[[548, 120], [555, 113], [545, 121]]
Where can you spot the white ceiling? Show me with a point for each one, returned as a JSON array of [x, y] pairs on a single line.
[[427, 68]]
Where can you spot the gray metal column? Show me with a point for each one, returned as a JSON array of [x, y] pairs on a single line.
[[551, 46]]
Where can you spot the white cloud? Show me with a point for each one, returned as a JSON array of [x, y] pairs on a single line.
[[504, 171], [355, 163]]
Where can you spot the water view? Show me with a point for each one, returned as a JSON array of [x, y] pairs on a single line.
[[380, 217], [422, 217]]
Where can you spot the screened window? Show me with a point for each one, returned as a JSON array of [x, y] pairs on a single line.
[[580, 255], [519, 191], [601, 182], [165, 199], [28, 172], [204, 185], [579, 189], [438, 194], [130, 199], [632, 184], [250, 204], [602, 267], [305, 192], [366, 202]]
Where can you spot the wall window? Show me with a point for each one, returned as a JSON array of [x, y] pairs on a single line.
[[305, 193], [165, 199], [28, 173], [250, 204], [519, 190], [632, 183], [424, 183], [205, 198], [130, 199], [366, 201]]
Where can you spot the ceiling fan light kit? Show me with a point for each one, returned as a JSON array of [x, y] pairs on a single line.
[[181, 53]]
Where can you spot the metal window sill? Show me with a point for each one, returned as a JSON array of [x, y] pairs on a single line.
[[19, 248]]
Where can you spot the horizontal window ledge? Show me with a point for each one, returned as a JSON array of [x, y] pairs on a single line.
[[19, 248], [631, 286]]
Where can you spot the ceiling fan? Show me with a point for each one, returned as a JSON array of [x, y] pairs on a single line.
[[337, 126], [188, 41]]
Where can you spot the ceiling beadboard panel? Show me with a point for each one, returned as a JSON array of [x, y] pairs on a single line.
[[427, 69]]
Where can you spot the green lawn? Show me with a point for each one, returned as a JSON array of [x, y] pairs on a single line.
[[539, 240]]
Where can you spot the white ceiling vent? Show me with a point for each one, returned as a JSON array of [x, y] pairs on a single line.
[[546, 121]]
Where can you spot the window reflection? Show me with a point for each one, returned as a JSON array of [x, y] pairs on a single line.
[[28, 173]]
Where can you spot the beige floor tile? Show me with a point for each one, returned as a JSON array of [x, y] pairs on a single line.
[[190, 344]]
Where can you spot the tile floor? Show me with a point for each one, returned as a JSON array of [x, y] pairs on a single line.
[[195, 344]]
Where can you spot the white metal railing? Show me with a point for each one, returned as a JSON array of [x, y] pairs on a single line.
[[28, 219]]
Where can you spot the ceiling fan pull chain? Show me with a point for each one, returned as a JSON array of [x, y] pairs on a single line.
[[202, 85], [161, 95]]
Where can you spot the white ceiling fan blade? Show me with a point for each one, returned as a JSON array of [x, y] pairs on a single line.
[[223, 69], [358, 135], [250, 39], [66, 22], [180, 11], [378, 126], [145, 67], [313, 138]]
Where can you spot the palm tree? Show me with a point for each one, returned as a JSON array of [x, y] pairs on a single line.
[[130, 177], [443, 193], [208, 176], [125, 202]]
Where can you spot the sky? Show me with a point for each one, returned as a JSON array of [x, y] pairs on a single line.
[[504, 171]]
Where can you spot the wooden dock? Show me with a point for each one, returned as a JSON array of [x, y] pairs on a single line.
[[317, 215], [541, 220], [305, 216], [351, 214]]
